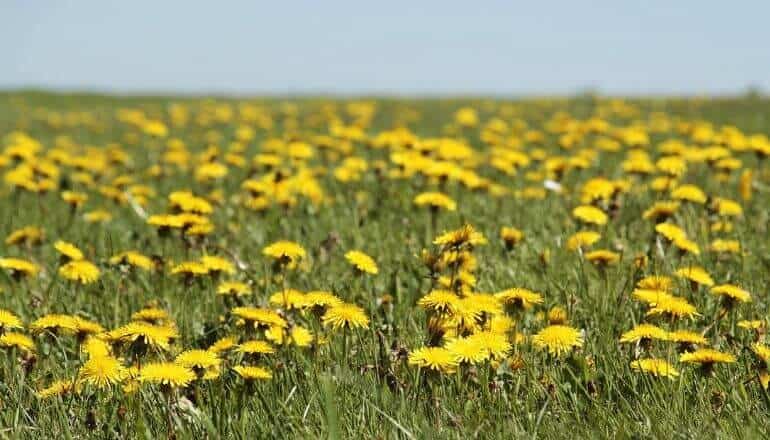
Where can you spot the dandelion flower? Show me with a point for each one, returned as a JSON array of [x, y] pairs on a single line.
[[132, 258], [9, 321], [28, 235], [649, 296], [82, 271], [256, 347], [590, 215], [467, 350], [689, 193], [655, 367], [434, 358], [670, 231], [166, 374], [519, 297], [68, 250], [435, 200], [439, 301], [233, 288], [706, 356], [496, 344], [687, 337], [558, 339], [19, 267], [603, 257], [761, 350], [285, 251], [675, 307], [660, 211], [17, 340], [582, 239], [57, 388], [252, 373], [102, 371], [465, 236], [54, 323], [217, 265], [656, 282], [731, 292], [259, 317], [362, 262], [644, 332], [511, 236], [696, 275], [345, 315]]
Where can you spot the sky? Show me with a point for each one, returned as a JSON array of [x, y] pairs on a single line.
[[386, 48]]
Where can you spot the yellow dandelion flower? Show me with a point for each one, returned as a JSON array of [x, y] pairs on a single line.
[[28, 235], [132, 258], [649, 296], [259, 317], [362, 262], [439, 301], [751, 324], [252, 373], [152, 315], [689, 193], [202, 362], [696, 275], [761, 350], [321, 299], [660, 211], [9, 321], [670, 231], [434, 358], [166, 374], [732, 292], [558, 339], [675, 307], [687, 337], [725, 246], [102, 372], [644, 332], [519, 297], [256, 347], [656, 282], [58, 388], [590, 215], [345, 316], [495, 344], [582, 239], [603, 257], [19, 267], [233, 288], [435, 200], [511, 236], [301, 337], [17, 340], [81, 271], [655, 367], [706, 356], [284, 250], [216, 265], [68, 250], [465, 236], [54, 323], [223, 344]]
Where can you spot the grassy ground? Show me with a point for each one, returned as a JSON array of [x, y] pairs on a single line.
[[357, 383]]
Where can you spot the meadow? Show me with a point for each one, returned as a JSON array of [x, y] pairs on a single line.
[[383, 268]]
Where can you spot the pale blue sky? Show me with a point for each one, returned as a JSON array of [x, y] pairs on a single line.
[[393, 47]]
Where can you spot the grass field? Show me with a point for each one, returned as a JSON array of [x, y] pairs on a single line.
[[242, 313]]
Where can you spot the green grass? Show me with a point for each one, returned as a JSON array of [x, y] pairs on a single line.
[[368, 390]]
